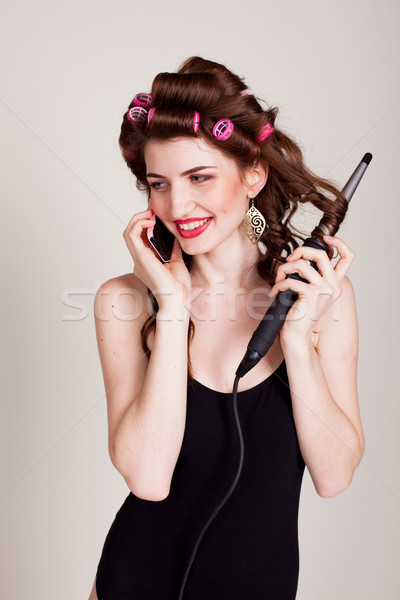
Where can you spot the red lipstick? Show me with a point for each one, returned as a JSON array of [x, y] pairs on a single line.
[[178, 222], [194, 232]]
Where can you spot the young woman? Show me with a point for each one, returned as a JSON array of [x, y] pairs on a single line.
[[171, 336]]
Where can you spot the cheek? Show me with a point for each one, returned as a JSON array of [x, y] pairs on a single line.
[[157, 205], [229, 198]]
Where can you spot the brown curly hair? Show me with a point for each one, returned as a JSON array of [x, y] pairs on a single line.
[[216, 93]]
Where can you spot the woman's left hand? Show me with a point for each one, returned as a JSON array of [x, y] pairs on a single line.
[[315, 297]]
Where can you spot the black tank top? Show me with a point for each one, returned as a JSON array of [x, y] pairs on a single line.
[[250, 549]]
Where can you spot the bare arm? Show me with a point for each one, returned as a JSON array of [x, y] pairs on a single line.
[[149, 436], [146, 398], [323, 384], [323, 376]]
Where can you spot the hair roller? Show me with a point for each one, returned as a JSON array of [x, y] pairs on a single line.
[[196, 122], [137, 113], [150, 115], [265, 132], [222, 130], [142, 99]]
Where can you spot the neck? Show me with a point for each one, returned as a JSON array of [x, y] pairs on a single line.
[[234, 266]]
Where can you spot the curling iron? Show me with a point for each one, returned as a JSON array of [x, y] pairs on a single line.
[[268, 328]]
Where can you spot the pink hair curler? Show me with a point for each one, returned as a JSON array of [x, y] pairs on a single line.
[[223, 129], [265, 132], [196, 122], [142, 99], [128, 154], [137, 113], [244, 94], [150, 115]]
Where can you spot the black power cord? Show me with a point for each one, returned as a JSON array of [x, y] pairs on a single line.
[[226, 497]]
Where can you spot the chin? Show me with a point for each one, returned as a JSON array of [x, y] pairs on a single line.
[[193, 252]]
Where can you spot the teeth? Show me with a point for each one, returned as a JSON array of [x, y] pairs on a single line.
[[193, 225]]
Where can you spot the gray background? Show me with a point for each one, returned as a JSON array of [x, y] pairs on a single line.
[[69, 71]]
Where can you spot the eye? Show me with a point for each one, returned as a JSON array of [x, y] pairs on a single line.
[[156, 185], [200, 178]]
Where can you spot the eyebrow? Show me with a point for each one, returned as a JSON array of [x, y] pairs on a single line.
[[182, 174]]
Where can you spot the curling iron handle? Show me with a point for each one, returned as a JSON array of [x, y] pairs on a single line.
[[273, 320]]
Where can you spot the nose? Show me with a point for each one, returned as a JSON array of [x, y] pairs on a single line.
[[181, 202]]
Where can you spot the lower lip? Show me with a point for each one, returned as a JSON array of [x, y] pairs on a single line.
[[192, 234]]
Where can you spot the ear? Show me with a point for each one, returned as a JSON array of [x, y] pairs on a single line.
[[256, 178]]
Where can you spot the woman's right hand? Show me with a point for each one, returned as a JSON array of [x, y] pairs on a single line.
[[170, 282]]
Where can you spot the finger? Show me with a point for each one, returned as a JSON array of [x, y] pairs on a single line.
[[301, 267], [346, 256], [138, 232], [144, 214], [288, 284], [139, 216], [142, 224], [319, 256], [324, 264]]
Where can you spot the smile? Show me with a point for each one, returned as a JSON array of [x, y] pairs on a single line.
[[190, 230]]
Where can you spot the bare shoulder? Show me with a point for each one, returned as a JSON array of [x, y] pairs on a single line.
[[122, 293], [121, 307]]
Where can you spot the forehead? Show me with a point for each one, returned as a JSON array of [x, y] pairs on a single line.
[[182, 154]]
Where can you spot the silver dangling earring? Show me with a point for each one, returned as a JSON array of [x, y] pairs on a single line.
[[254, 225]]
